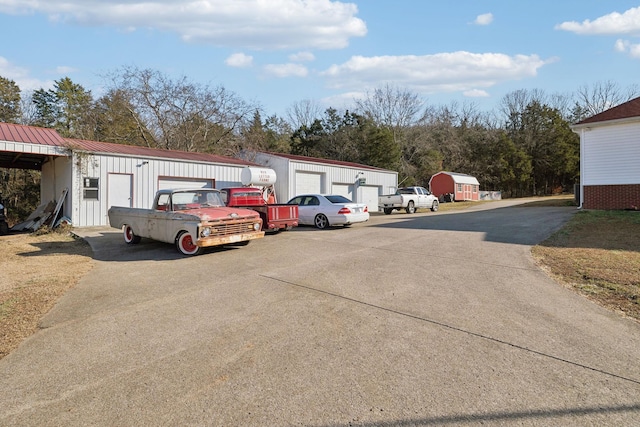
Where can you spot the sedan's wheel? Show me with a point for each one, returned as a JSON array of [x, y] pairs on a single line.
[[387, 211], [411, 208], [321, 221], [435, 206], [185, 244], [129, 237]]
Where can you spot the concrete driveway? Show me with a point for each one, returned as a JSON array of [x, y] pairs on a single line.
[[425, 319]]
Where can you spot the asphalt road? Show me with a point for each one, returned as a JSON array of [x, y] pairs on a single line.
[[425, 319]]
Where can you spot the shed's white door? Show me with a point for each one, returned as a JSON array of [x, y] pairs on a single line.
[[370, 197], [119, 190]]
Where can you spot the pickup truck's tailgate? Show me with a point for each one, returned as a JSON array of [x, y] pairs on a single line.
[[283, 214], [393, 200]]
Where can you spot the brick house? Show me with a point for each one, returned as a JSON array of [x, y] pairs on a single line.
[[610, 158]]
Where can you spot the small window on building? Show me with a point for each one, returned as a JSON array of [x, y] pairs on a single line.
[[90, 188], [459, 188], [475, 188]]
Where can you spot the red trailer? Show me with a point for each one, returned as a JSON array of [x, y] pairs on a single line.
[[275, 217], [454, 186]]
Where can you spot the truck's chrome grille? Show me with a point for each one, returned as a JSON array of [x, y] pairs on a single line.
[[231, 227]]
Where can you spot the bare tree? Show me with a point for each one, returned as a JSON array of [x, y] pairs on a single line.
[[391, 106], [603, 95], [515, 103], [303, 113], [28, 110], [183, 115]]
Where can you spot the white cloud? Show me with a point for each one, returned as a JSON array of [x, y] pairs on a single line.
[[21, 76], [443, 72], [239, 60], [255, 24], [302, 57], [484, 19], [343, 100], [476, 93], [613, 23], [625, 46], [63, 69], [286, 70]]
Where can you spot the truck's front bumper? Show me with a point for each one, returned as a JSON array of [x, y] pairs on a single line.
[[206, 242]]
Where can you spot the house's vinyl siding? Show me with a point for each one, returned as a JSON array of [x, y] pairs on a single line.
[[611, 155]]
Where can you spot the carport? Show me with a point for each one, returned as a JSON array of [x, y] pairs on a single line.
[[90, 176]]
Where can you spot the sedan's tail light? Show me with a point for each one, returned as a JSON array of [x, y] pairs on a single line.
[[366, 209], [344, 211]]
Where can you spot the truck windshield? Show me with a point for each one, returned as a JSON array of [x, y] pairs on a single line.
[[196, 199]]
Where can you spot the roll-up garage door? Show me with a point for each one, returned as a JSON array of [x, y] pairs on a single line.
[[170, 183], [308, 183]]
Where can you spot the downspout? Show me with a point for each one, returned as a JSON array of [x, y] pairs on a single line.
[[581, 192]]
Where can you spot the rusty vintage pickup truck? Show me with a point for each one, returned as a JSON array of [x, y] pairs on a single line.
[[191, 219]]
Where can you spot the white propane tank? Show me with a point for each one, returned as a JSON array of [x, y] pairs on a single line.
[[255, 176]]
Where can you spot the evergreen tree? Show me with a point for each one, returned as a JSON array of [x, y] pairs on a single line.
[[10, 111]]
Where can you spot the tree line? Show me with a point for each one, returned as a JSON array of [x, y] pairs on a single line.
[[524, 147]]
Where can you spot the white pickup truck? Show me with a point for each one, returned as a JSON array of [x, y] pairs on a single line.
[[410, 199], [191, 219]]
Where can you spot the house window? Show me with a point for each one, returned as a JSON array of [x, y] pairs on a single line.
[[90, 188], [475, 188], [459, 188]]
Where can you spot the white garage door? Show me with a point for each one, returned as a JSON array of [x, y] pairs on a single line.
[[308, 183], [345, 190], [370, 197], [167, 183]]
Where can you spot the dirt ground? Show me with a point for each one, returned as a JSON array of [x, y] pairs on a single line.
[[36, 270], [598, 255]]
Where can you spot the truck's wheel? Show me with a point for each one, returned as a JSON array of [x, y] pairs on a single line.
[[411, 208], [434, 206], [321, 221], [387, 211], [185, 244], [129, 237]]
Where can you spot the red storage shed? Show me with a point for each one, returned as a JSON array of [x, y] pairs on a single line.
[[463, 187]]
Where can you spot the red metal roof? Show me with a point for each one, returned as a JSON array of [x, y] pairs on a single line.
[[29, 134], [43, 136], [325, 161], [132, 150], [626, 110]]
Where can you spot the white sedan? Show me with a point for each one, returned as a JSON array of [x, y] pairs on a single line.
[[324, 210]]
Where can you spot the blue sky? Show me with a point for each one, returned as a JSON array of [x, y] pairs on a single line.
[[279, 52]]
